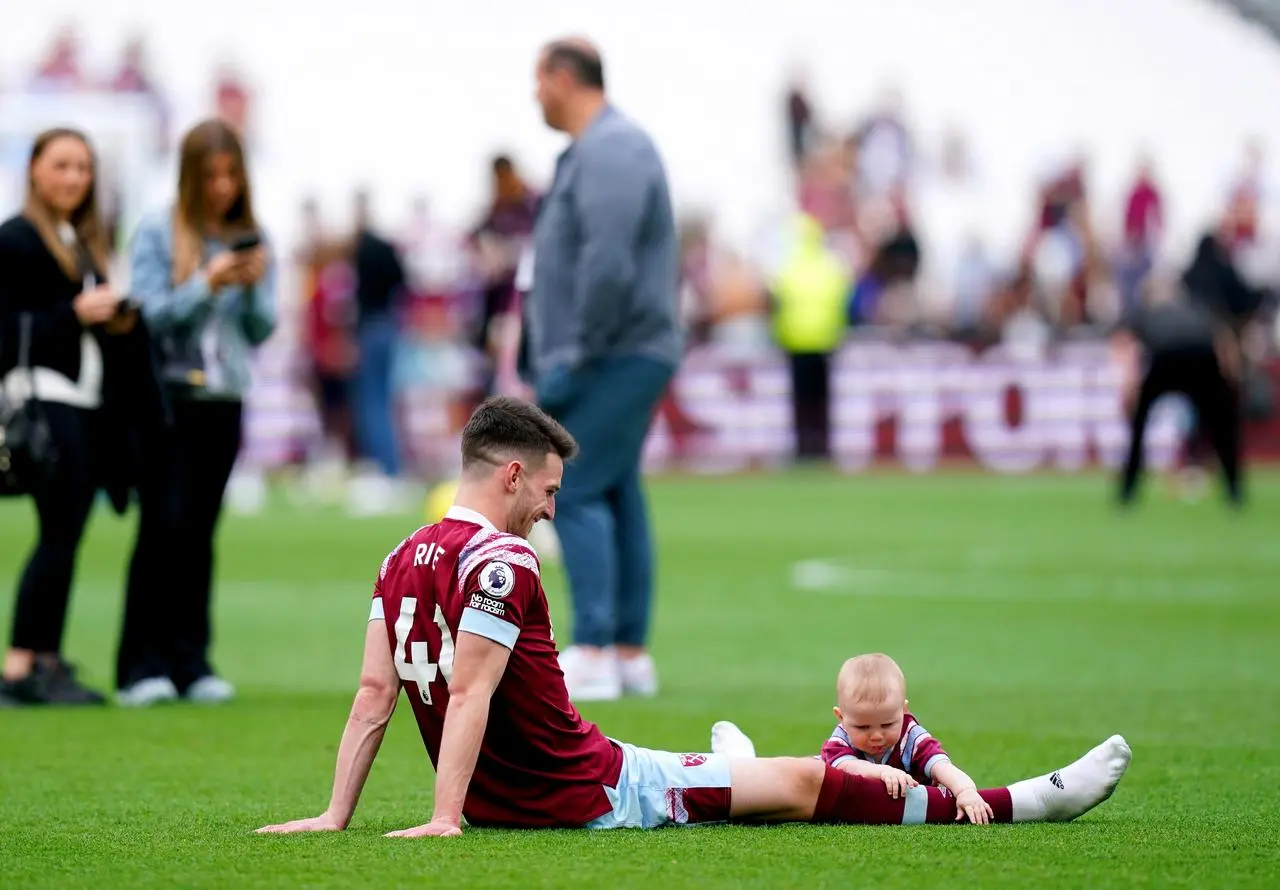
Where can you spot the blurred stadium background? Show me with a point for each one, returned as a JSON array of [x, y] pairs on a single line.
[[1033, 159], [1019, 163]]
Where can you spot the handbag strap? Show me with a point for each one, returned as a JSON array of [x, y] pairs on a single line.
[[24, 356], [24, 360], [24, 342]]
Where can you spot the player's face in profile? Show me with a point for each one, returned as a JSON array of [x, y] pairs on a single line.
[[63, 175], [873, 728], [537, 500]]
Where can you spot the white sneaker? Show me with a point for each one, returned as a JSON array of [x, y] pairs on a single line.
[[371, 494], [730, 741], [591, 674], [148, 692], [639, 676], [247, 493], [210, 690], [1075, 789]]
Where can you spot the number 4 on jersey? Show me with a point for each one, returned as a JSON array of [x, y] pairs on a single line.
[[421, 670]]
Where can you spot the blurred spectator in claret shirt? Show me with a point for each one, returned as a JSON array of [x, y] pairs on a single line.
[[133, 78], [1062, 250], [800, 119], [1143, 226], [698, 274], [60, 70], [328, 291], [499, 240], [232, 101], [308, 256]]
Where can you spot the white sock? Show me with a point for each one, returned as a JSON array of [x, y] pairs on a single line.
[[730, 741], [1073, 790]]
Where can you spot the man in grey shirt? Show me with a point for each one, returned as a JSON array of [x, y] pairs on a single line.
[[604, 341]]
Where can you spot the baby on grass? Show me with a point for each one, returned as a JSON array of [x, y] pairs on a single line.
[[878, 737]]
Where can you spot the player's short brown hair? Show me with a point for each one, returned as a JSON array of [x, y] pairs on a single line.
[[504, 429]]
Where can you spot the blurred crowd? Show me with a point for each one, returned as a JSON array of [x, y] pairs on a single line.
[[434, 303], [63, 71], [384, 310], [907, 222]]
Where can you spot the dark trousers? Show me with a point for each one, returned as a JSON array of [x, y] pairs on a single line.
[[601, 515], [333, 398], [63, 505], [374, 393], [168, 626], [1197, 376], [811, 404], [150, 590]]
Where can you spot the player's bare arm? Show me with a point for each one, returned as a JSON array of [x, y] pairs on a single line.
[[478, 665], [371, 711], [969, 803]]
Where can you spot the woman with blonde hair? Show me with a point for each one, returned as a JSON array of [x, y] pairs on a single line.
[[202, 273], [72, 349]]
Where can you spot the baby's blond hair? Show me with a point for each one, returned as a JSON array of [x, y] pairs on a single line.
[[870, 679]]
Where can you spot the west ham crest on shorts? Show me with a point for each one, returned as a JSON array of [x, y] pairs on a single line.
[[497, 579]]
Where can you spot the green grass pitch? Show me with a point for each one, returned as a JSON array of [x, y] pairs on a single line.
[[1031, 618]]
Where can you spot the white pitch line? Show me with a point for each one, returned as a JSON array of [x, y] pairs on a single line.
[[842, 578]]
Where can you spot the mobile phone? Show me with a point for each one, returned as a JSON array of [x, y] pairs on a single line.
[[127, 305], [246, 242]]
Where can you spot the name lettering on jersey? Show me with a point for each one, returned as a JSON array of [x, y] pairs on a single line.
[[428, 555]]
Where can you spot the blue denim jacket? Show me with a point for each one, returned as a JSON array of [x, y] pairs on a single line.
[[230, 322]]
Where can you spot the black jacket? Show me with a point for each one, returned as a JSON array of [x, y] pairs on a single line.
[[32, 281], [1212, 279], [379, 274], [135, 413]]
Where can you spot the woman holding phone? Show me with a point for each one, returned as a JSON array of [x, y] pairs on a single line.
[[88, 366], [202, 273]]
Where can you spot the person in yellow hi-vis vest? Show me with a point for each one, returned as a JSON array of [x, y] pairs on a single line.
[[810, 292]]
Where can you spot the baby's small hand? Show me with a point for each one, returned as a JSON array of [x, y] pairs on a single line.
[[969, 803], [896, 782]]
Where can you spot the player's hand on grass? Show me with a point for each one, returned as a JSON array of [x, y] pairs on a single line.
[[896, 782], [431, 829], [323, 822], [970, 804]]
